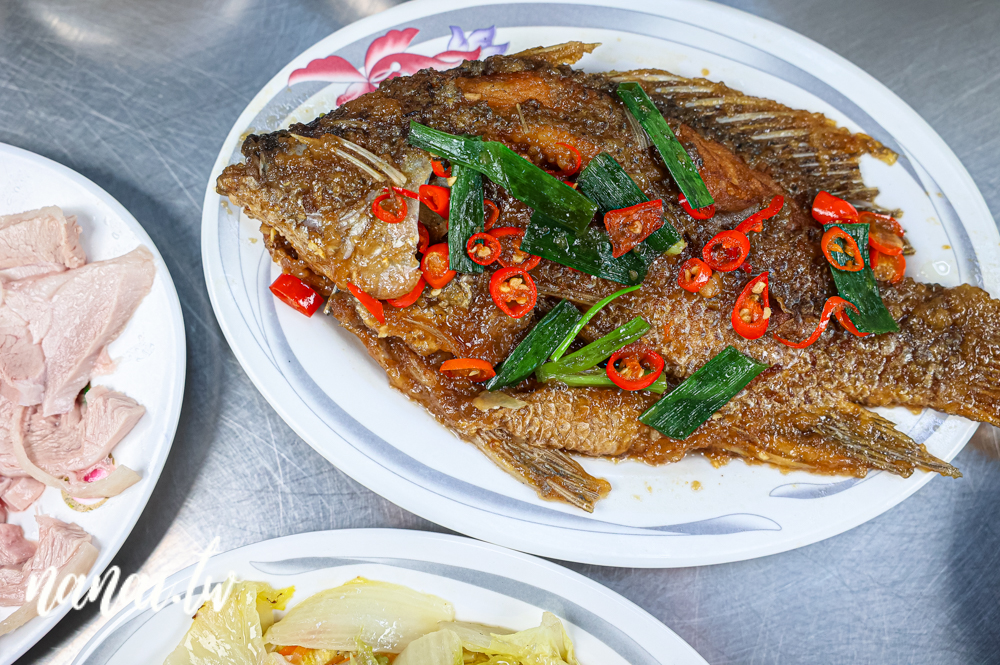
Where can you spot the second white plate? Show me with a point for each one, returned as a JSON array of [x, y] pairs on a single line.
[[485, 583]]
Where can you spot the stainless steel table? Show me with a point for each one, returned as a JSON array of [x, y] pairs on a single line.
[[138, 96]]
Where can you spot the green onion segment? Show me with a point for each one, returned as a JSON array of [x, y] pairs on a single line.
[[588, 315], [673, 153], [536, 347], [860, 288], [465, 217], [597, 378], [681, 411], [596, 352], [589, 253]]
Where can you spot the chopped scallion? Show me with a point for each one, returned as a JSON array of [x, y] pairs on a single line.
[[597, 378], [860, 288], [673, 153], [596, 352], [589, 253], [465, 218], [522, 179], [536, 346], [681, 411], [588, 315]]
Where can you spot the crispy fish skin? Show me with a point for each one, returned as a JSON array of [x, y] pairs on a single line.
[[804, 413]]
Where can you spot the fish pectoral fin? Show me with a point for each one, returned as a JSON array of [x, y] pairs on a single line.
[[865, 436], [553, 474]]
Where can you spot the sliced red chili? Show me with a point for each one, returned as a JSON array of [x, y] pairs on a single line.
[[373, 305], [837, 241], [492, 213], [473, 369], [887, 267], [884, 233], [694, 274], [483, 248], [828, 209], [833, 305], [628, 367], [439, 170], [296, 294], [845, 321], [435, 266], [410, 297], [425, 238], [751, 313], [726, 251], [627, 227], [399, 207], [513, 290], [708, 212], [436, 198], [510, 248], [755, 222], [578, 162]]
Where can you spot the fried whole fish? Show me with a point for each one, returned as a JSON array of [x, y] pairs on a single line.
[[312, 186]]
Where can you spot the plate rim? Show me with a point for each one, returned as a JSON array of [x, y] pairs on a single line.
[[152, 474], [455, 546], [427, 506]]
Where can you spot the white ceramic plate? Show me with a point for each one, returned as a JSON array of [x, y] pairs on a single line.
[[149, 355], [324, 385], [485, 583]]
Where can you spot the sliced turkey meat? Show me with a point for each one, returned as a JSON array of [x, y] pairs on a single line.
[[14, 547], [65, 547], [22, 492], [22, 363], [82, 437], [76, 314], [38, 242]]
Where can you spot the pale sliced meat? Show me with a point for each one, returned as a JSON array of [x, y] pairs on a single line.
[[76, 315], [59, 543], [22, 363], [22, 492], [37, 242], [82, 437], [14, 547], [8, 461]]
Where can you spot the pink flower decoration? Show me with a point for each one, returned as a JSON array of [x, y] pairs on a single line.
[[385, 59]]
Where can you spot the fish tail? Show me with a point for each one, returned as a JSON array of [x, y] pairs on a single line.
[[869, 438], [553, 474]]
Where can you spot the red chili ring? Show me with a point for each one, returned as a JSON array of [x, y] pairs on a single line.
[[735, 245], [639, 352], [480, 241], [699, 273], [504, 298]]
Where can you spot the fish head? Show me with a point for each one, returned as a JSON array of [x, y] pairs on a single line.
[[317, 189]]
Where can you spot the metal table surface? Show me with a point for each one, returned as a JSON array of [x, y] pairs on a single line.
[[138, 95]]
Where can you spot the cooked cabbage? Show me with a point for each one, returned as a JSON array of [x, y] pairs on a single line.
[[384, 616], [442, 647], [234, 633], [548, 644], [477, 635]]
